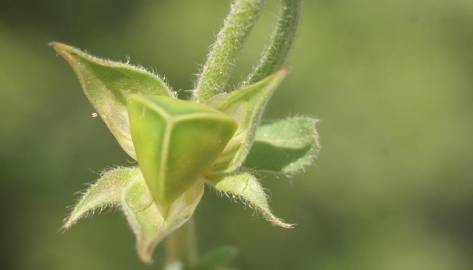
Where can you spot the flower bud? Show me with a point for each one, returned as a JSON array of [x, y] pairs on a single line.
[[176, 142]]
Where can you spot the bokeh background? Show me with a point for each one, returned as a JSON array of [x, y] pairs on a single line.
[[391, 81]]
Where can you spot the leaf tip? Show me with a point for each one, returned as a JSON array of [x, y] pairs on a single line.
[[52, 43], [65, 51], [67, 225], [145, 255], [284, 70], [74, 217], [69, 221], [275, 221], [280, 74], [58, 46], [284, 225]]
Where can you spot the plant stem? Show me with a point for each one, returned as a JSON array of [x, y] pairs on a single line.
[[181, 247], [275, 53], [221, 59]]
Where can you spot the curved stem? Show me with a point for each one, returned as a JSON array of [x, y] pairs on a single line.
[[181, 247], [221, 59], [282, 38]]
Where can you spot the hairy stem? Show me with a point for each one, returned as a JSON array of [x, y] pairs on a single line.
[[181, 247], [221, 59], [275, 53]]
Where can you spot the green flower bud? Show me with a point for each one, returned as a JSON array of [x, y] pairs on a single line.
[[176, 142]]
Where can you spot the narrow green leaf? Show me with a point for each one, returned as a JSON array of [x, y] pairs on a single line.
[[275, 54], [222, 56], [176, 142], [107, 84], [247, 188], [144, 217], [106, 192], [246, 106], [148, 222], [287, 146]]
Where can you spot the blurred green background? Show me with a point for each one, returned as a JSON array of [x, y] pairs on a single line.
[[391, 81]]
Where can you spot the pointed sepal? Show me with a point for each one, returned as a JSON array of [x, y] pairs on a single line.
[[245, 187], [106, 192], [107, 84], [149, 224], [286, 146], [246, 105], [176, 142]]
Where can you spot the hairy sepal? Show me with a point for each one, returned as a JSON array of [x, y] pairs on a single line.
[[286, 146], [246, 106], [176, 142], [107, 84], [106, 192], [245, 187], [147, 220]]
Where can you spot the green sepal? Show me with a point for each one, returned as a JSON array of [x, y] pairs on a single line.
[[176, 142], [149, 224], [246, 105], [286, 146], [245, 187], [106, 192], [107, 84]]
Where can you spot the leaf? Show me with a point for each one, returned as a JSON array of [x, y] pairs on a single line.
[[176, 142], [246, 187], [287, 146], [106, 192], [107, 84], [146, 219], [217, 259], [246, 106]]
